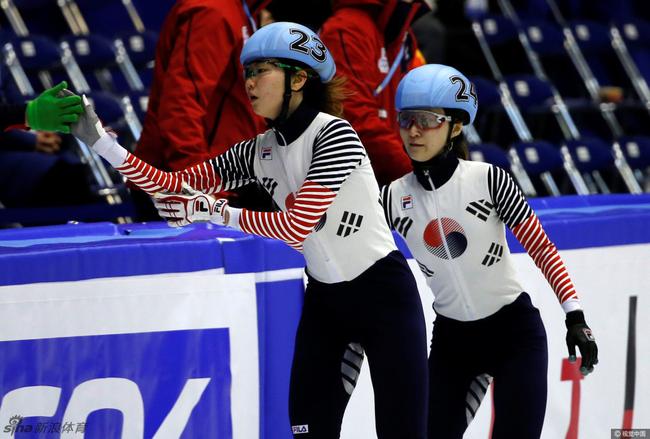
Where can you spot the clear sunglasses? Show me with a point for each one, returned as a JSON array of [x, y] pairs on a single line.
[[423, 119], [260, 67]]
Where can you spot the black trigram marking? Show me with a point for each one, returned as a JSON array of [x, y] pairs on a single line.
[[424, 269], [481, 209], [351, 366], [269, 184], [494, 254], [402, 225], [350, 223], [321, 223], [475, 394]]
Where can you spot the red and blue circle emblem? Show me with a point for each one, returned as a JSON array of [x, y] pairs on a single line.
[[454, 236]]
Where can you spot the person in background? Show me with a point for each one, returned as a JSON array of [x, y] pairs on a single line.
[[452, 213], [373, 47], [197, 103], [34, 159]]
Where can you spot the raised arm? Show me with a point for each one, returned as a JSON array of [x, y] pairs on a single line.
[[337, 152], [231, 169]]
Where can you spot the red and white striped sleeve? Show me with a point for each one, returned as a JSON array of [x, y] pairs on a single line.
[[516, 213], [231, 169], [337, 152]]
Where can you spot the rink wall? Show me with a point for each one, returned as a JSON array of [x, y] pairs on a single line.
[[147, 331]]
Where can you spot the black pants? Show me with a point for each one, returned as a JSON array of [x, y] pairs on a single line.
[[510, 346], [381, 310]]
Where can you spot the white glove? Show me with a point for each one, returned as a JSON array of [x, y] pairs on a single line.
[[88, 128], [181, 210], [90, 131]]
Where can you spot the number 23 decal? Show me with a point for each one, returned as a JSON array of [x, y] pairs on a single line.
[[318, 51], [461, 94]]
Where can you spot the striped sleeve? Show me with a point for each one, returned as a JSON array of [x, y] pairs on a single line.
[[385, 199], [516, 213], [337, 152], [232, 169]]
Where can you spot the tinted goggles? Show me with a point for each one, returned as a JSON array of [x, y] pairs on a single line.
[[424, 120]]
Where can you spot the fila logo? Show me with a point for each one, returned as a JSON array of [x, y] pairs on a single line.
[[402, 225], [494, 254], [350, 223], [266, 153], [269, 184], [407, 202], [300, 429], [200, 206], [481, 209]]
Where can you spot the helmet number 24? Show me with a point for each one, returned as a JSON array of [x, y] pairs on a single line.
[[461, 95]]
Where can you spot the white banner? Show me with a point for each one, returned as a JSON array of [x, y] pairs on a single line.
[[173, 305]]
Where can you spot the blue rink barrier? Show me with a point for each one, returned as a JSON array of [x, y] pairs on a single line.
[[92, 251]]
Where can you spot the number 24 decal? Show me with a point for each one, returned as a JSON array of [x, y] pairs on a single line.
[[461, 95], [318, 52]]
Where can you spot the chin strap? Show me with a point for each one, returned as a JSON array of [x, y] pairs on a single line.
[[286, 98], [449, 143]]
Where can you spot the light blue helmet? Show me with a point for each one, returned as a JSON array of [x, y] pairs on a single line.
[[290, 41], [437, 86]]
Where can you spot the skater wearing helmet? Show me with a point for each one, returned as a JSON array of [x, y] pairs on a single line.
[[311, 162], [452, 213]]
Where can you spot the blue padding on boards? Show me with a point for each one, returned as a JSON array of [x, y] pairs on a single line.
[[255, 254], [157, 366], [572, 201], [597, 225], [94, 261], [279, 305]]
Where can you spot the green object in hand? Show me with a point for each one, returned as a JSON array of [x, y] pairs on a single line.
[[52, 112]]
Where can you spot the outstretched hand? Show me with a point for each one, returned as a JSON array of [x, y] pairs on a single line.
[[53, 111], [88, 128]]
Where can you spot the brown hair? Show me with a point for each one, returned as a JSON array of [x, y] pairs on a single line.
[[458, 143], [328, 97], [459, 146]]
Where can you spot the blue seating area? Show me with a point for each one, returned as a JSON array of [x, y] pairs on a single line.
[[111, 61], [572, 76], [569, 85]]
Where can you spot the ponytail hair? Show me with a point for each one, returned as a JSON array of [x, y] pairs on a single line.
[[327, 97], [324, 97]]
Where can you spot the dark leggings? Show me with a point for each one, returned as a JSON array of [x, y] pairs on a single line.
[[509, 346], [380, 310]]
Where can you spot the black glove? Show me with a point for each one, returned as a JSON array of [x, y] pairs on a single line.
[[578, 333]]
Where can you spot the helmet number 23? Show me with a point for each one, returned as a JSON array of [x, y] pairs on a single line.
[[318, 51], [461, 94]]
